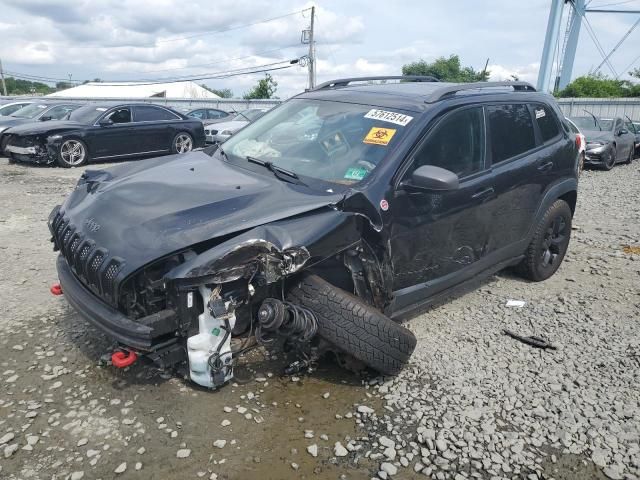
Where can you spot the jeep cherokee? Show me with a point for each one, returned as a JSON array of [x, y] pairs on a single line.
[[316, 227]]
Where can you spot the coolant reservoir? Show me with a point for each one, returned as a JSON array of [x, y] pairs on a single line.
[[212, 338]]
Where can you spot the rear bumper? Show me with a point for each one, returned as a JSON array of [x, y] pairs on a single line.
[[101, 315]]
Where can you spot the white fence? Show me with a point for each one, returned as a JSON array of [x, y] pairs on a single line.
[[601, 107]]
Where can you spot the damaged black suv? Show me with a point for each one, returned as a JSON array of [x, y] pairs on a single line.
[[316, 227]]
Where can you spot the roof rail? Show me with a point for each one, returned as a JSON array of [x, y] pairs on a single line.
[[343, 82], [440, 93]]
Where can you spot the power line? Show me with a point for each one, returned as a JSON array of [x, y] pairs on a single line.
[[612, 4], [222, 61]]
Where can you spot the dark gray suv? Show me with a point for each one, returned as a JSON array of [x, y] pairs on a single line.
[[318, 226]]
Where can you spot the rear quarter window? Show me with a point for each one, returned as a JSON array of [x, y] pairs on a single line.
[[511, 131], [546, 121]]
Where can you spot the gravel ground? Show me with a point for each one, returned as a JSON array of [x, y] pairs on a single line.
[[473, 403]]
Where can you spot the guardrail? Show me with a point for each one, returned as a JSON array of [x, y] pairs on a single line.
[[227, 104], [601, 107]]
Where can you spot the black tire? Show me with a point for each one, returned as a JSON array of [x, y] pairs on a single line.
[[64, 161], [610, 162], [182, 143], [549, 244], [355, 327]]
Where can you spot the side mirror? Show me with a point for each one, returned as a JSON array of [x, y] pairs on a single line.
[[105, 122], [45, 118], [623, 131], [430, 177]]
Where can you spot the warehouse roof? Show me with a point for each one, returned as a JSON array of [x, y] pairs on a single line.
[[136, 90]]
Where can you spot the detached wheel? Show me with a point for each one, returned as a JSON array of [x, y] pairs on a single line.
[[72, 153], [354, 327], [611, 160], [549, 244], [182, 143]]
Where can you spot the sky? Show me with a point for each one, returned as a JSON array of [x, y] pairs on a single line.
[[159, 39]]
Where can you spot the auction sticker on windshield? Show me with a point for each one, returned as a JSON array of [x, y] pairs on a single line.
[[386, 116], [379, 136], [356, 173]]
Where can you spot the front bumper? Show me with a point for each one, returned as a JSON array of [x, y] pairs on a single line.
[[21, 150], [101, 315]]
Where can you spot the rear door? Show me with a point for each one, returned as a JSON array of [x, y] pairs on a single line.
[[625, 140], [527, 152], [153, 127]]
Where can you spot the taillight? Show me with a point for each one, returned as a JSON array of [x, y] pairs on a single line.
[[578, 141]]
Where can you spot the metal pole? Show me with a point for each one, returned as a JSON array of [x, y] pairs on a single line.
[[550, 41], [572, 44], [4, 85], [312, 53]]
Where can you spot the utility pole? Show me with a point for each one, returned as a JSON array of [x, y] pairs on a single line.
[[4, 86], [312, 52]]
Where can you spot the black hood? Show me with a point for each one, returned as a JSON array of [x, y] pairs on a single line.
[[29, 127], [12, 121], [148, 209]]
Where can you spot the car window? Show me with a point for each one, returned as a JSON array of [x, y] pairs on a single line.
[[511, 131], [61, 111], [456, 143], [148, 113], [201, 114], [215, 114], [120, 115], [9, 109], [572, 127], [32, 110], [629, 126], [546, 121]]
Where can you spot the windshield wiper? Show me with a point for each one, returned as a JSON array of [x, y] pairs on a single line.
[[279, 172]]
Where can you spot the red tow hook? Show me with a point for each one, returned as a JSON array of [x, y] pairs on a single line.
[[122, 359], [56, 289]]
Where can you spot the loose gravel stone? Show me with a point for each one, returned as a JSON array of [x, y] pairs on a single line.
[[121, 468], [313, 450], [339, 450], [183, 453]]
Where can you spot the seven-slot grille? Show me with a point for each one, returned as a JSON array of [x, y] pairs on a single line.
[[90, 263]]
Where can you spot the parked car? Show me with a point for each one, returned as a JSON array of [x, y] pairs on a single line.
[[10, 107], [608, 141], [405, 191], [634, 127], [33, 112], [581, 142], [223, 130], [100, 132], [209, 115]]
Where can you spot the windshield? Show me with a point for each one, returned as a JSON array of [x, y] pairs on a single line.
[[87, 114], [585, 123], [249, 115], [30, 111], [606, 123], [339, 143]]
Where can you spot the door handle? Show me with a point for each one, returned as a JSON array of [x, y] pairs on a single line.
[[483, 193], [544, 167]]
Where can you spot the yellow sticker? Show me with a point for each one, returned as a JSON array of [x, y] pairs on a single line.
[[379, 136]]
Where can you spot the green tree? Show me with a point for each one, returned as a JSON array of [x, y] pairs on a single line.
[[446, 70], [598, 85], [265, 88], [63, 85], [15, 86], [222, 93]]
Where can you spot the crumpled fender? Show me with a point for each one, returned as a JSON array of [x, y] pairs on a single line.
[[296, 241]]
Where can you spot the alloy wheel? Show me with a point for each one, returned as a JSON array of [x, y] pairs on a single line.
[[183, 143], [73, 152], [554, 239]]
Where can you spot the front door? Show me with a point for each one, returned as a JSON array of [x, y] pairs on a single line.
[[436, 235], [113, 139]]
